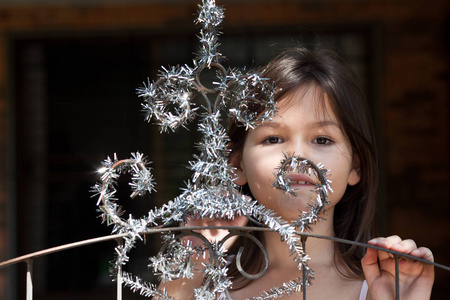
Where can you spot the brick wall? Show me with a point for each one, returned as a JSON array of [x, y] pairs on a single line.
[[415, 126]]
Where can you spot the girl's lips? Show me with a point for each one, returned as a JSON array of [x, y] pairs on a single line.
[[299, 180]]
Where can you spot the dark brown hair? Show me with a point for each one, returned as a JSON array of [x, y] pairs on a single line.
[[354, 215]]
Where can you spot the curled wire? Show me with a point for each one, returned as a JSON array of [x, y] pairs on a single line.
[[211, 191], [142, 183], [239, 257], [299, 164]]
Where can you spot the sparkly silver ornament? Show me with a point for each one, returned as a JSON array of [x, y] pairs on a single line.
[[211, 192]]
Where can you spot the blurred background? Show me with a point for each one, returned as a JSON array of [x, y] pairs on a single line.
[[69, 71]]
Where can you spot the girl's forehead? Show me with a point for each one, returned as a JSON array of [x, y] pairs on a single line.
[[311, 100]]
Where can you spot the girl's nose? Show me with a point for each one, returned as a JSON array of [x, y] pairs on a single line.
[[297, 148]]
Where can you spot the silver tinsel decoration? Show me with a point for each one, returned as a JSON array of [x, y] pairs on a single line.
[[211, 191]]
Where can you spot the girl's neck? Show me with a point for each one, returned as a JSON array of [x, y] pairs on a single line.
[[321, 251], [328, 281]]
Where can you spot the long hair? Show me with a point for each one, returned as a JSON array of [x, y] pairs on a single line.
[[354, 216]]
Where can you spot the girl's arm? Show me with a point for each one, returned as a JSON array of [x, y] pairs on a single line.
[[416, 278]]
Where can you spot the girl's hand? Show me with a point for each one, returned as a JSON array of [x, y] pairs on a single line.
[[416, 278], [183, 288], [214, 235]]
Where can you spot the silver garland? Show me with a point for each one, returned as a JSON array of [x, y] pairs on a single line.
[[211, 192]]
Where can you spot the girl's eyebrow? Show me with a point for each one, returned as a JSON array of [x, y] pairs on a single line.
[[318, 124], [326, 123], [269, 124], [323, 123]]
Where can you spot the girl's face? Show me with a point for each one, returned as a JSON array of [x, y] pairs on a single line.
[[306, 126]]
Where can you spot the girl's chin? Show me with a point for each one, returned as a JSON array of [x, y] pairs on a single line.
[[292, 213], [289, 207], [292, 207], [302, 198]]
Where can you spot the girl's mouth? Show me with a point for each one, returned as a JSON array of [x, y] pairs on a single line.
[[299, 180]]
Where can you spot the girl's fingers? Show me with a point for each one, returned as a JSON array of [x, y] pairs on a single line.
[[370, 267], [405, 246], [416, 278], [213, 235], [392, 241], [424, 253], [385, 243], [236, 221]]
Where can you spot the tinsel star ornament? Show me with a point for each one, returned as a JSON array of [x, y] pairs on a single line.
[[211, 192]]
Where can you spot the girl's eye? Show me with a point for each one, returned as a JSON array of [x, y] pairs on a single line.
[[322, 140], [272, 140]]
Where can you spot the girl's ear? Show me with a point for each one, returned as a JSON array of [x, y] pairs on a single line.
[[355, 173], [239, 173]]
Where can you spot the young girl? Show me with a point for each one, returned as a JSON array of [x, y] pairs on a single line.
[[321, 116]]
